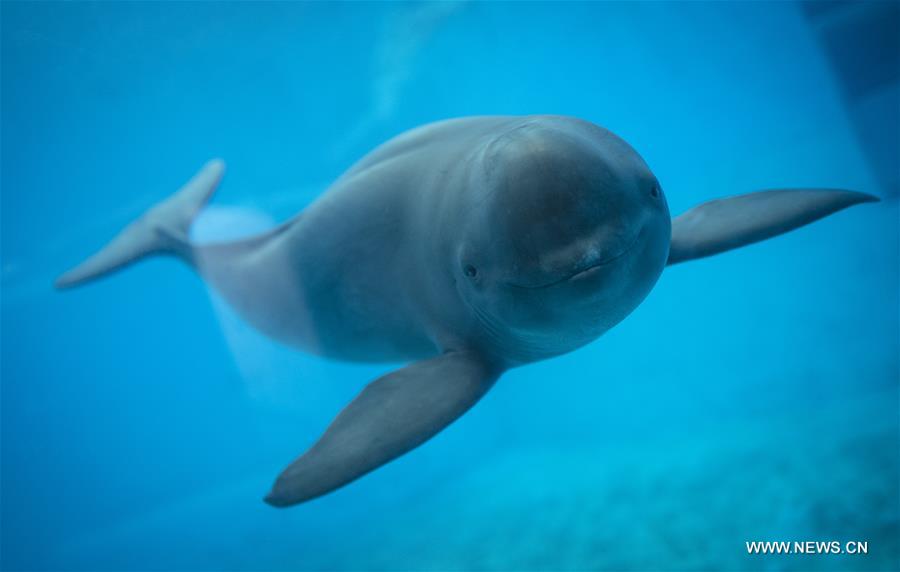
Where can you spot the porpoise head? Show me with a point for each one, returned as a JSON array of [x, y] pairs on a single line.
[[566, 231]]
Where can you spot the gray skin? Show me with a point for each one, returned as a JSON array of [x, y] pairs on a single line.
[[465, 247]]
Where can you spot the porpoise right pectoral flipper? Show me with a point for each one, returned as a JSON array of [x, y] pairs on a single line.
[[392, 415]]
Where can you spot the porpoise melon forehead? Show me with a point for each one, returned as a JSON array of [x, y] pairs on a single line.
[[539, 145], [551, 192]]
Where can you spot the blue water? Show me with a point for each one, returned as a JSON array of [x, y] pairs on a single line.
[[752, 396]]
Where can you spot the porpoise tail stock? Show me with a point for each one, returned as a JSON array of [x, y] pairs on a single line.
[[163, 229]]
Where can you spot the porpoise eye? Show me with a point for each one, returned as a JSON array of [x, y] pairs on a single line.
[[654, 191], [470, 271]]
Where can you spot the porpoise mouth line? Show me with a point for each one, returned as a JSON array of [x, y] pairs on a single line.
[[578, 273]]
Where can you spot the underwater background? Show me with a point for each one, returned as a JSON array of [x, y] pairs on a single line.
[[753, 396]]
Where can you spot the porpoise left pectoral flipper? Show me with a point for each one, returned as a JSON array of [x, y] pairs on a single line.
[[732, 222], [392, 415]]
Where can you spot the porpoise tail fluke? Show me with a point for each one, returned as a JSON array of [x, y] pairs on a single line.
[[161, 230]]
